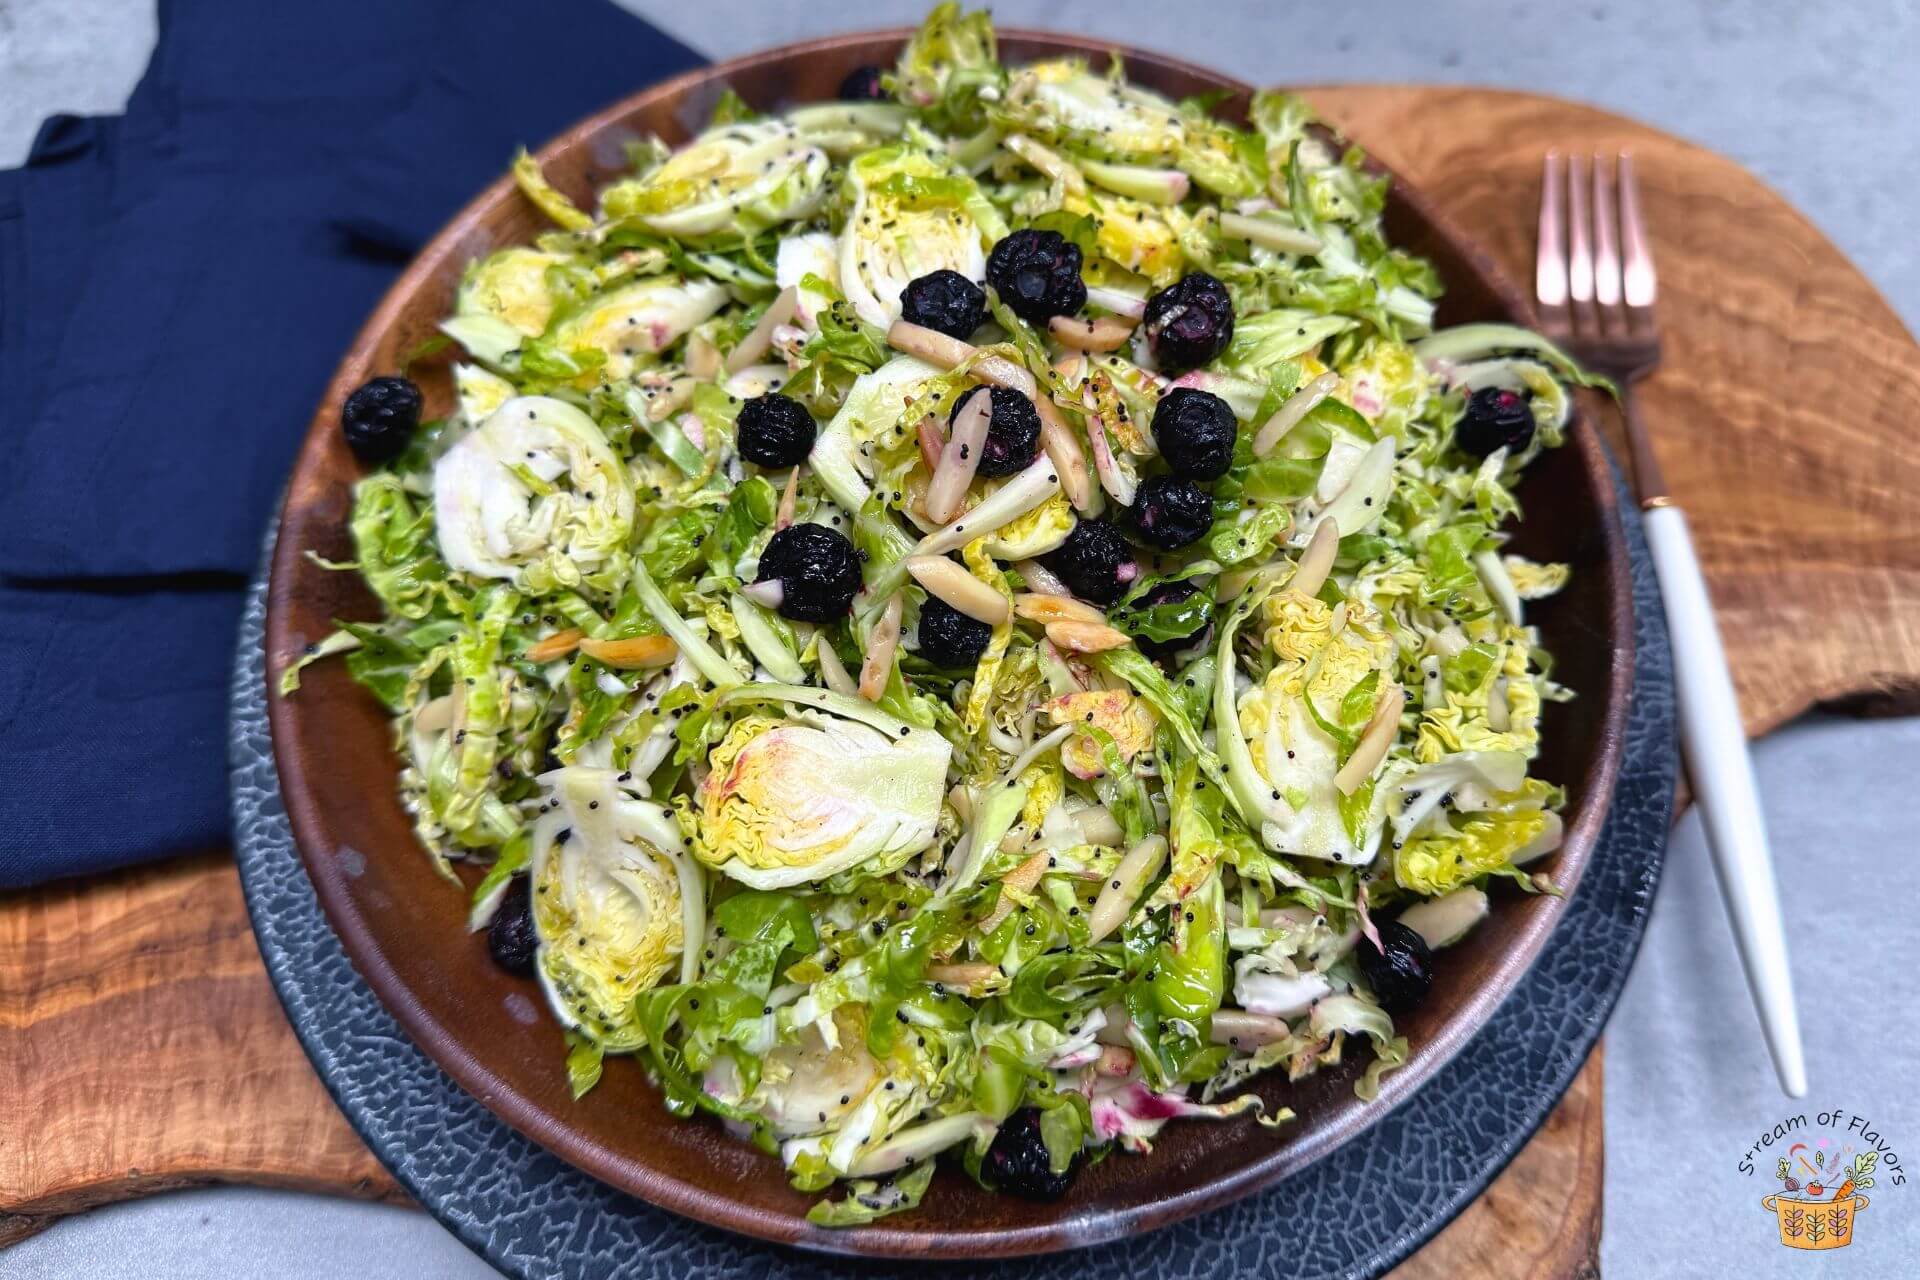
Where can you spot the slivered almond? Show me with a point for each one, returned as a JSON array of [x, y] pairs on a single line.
[[1293, 412], [670, 399], [1317, 560], [1041, 578], [1002, 372], [1379, 736], [1050, 163], [1086, 637], [929, 344], [962, 975], [1020, 880], [947, 580], [960, 459], [1234, 582], [557, 645], [938, 348], [789, 499], [1063, 450], [1139, 865], [703, 358], [1103, 333], [633, 652], [1247, 1030], [832, 670], [1038, 607], [1098, 825], [1267, 234], [435, 714], [932, 441], [1117, 301], [760, 339], [885, 638]]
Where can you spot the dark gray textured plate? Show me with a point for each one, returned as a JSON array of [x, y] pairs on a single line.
[[1356, 1213]]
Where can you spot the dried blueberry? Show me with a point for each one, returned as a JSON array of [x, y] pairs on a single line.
[[1171, 512], [1037, 274], [1189, 322], [948, 637], [1400, 969], [1095, 561], [817, 569], [1017, 1162], [511, 939], [380, 417], [1496, 417], [1195, 431], [775, 431], [946, 302], [1013, 432], [863, 85]]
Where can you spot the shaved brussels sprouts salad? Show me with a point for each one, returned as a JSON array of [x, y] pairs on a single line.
[[970, 618]]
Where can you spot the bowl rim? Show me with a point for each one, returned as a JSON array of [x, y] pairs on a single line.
[[1069, 1229]]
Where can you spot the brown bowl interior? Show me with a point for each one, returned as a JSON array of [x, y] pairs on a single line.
[[405, 927]]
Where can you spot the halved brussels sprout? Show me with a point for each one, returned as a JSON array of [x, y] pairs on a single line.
[[1136, 236], [809, 1086], [1387, 384], [615, 900], [1354, 496], [811, 253], [479, 392], [503, 299], [739, 178], [756, 380], [843, 128], [635, 323], [876, 404], [535, 492], [510, 285], [947, 65], [1281, 760], [1039, 531], [1485, 355], [1124, 718], [832, 783], [1066, 103], [910, 217], [1551, 403]]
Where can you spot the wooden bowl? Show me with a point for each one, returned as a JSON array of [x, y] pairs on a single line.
[[405, 927]]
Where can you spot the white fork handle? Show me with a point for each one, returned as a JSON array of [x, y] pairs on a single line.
[[1715, 746]]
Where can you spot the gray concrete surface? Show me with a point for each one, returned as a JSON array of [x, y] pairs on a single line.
[[1823, 102]]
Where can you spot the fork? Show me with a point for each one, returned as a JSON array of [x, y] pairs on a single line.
[[1595, 281]]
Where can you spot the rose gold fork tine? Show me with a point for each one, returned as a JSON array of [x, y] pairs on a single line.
[[1638, 277], [1579, 243], [1711, 738], [1550, 259], [1606, 257]]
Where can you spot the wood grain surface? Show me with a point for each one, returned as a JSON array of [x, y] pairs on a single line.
[[142, 1048]]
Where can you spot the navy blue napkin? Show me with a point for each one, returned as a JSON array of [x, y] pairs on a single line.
[[176, 285]]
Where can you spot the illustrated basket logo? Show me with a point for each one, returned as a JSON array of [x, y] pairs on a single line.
[[1815, 1224]]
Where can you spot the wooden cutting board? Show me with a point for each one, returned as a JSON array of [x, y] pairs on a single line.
[[142, 1048]]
